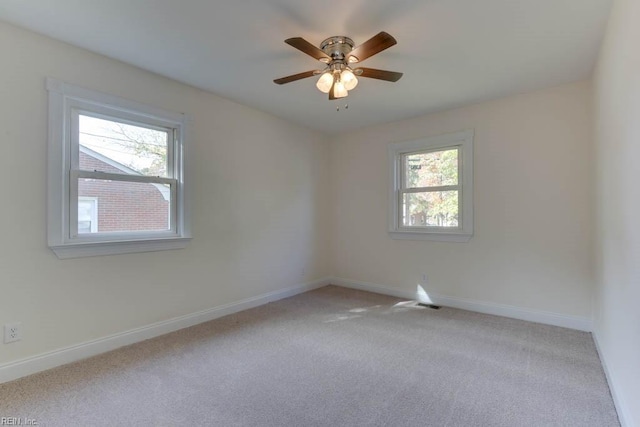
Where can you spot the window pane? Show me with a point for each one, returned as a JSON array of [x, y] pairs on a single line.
[[431, 169], [432, 209], [111, 146], [87, 215], [123, 206]]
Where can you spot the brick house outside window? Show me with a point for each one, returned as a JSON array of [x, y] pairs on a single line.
[[121, 206]]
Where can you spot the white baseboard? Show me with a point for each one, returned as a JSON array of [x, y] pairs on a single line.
[[548, 318], [621, 407], [31, 365]]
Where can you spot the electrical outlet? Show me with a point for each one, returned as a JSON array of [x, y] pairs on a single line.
[[424, 278], [12, 332]]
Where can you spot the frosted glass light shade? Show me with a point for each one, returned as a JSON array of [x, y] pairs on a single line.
[[348, 79], [339, 91], [325, 82]]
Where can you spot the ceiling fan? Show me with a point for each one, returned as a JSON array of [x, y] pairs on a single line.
[[338, 76]]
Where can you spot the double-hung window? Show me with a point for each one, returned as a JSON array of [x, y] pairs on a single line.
[[116, 175], [431, 188]]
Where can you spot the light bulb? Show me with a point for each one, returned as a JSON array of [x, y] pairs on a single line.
[[348, 79], [325, 82], [339, 91]]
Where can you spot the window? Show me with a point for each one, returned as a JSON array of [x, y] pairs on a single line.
[[116, 175], [431, 188]]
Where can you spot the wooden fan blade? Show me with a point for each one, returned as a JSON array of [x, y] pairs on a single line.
[[294, 77], [306, 47], [372, 73], [375, 44]]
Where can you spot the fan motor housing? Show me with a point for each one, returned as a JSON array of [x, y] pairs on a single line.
[[337, 47]]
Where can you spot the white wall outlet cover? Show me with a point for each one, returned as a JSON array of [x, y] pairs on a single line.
[[12, 332]]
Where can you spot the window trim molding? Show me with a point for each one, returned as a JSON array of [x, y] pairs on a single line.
[[464, 140], [63, 98]]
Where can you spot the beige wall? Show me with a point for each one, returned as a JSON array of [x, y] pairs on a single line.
[[259, 190], [531, 247], [617, 141]]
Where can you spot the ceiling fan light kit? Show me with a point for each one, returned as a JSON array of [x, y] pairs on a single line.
[[325, 82], [338, 53]]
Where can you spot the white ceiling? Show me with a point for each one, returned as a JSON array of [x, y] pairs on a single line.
[[452, 52]]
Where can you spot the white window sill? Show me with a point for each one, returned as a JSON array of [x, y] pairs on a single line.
[[433, 236], [79, 250]]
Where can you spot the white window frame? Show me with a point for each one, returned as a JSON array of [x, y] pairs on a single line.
[[66, 103], [463, 141]]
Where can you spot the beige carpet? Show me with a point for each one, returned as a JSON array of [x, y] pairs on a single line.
[[332, 357]]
